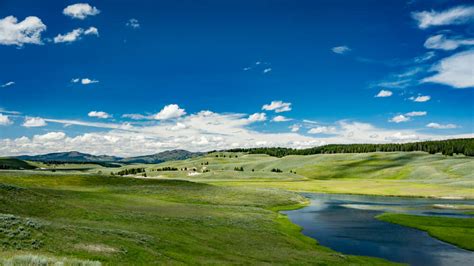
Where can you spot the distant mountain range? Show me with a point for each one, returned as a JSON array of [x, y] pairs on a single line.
[[79, 157]]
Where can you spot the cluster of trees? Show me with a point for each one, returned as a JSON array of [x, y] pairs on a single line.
[[53, 163], [167, 168], [131, 171], [223, 155], [239, 169], [446, 147], [277, 170]]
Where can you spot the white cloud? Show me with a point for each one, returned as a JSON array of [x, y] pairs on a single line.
[[423, 58], [204, 131], [5, 120], [420, 98], [51, 136], [80, 11], [322, 130], [402, 137], [75, 80], [92, 31], [399, 119], [99, 114], [295, 128], [87, 81], [440, 126], [257, 117], [17, 33], [266, 70], [454, 16], [34, 122], [280, 118], [10, 83], [135, 116], [442, 43], [277, 106], [456, 71], [72, 36], [416, 113], [384, 93], [169, 112], [178, 126], [341, 49], [133, 23], [75, 35]]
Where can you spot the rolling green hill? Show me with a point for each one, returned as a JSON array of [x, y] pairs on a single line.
[[12, 163]]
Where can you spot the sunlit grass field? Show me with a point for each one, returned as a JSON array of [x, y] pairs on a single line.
[[395, 174], [458, 232], [121, 220], [206, 212]]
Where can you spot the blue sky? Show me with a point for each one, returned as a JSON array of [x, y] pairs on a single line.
[[137, 77]]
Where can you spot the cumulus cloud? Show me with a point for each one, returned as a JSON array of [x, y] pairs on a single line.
[[295, 128], [5, 120], [441, 126], [75, 35], [341, 49], [277, 106], [169, 112], [280, 118], [453, 16], [133, 23], [456, 71], [203, 131], [80, 11], [178, 126], [399, 119], [84, 81], [397, 137], [420, 98], [17, 33], [257, 117], [10, 83], [99, 114], [51, 136], [384, 93], [322, 130], [34, 122], [441, 42], [406, 117], [92, 31]]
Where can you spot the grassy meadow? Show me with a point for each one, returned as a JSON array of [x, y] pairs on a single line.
[[120, 220], [457, 231], [205, 212]]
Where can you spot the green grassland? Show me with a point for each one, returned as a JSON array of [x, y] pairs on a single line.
[[87, 218], [389, 174], [206, 212], [457, 231]]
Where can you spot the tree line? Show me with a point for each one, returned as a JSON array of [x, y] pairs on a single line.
[[445, 147]]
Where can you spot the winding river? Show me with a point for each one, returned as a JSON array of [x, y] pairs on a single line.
[[346, 223]]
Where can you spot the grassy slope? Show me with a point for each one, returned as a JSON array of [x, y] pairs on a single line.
[[397, 174], [13, 163], [134, 221], [457, 231]]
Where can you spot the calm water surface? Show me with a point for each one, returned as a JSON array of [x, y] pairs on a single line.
[[346, 223]]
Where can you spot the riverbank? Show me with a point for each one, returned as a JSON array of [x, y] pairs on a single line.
[[456, 231]]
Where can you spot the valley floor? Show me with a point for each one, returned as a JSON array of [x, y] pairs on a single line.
[[206, 212]]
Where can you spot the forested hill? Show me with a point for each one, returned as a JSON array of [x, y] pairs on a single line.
[[446, 147]]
